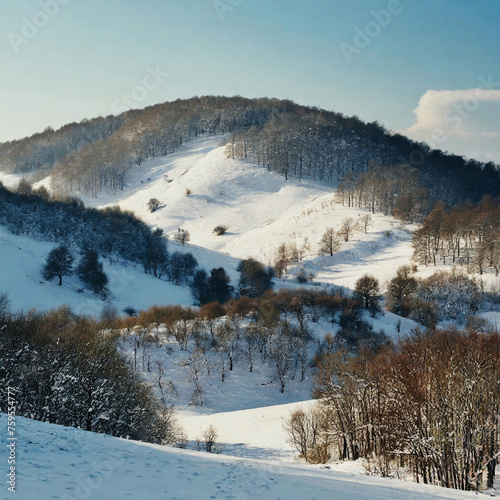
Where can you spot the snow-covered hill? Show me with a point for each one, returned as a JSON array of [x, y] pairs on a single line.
[[199, 188], [21, 261], [55, 462], [261, 210]]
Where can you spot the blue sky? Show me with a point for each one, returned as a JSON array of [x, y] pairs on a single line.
[[81, 60]]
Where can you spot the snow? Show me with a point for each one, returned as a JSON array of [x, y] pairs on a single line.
[[261, 210], [252, 433], [55, 462], [10, 180], [21, 261]]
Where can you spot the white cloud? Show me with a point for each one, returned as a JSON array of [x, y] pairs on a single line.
[[463, 122]]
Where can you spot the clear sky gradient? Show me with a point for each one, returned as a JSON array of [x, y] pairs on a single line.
[[79, 61]]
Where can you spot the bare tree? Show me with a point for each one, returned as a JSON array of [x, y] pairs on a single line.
[[210, 436], [308, 431], [182, 236], [365, 222], [330, 242], [347, 228]]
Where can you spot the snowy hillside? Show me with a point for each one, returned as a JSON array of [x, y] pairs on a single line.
[[21, 261], [260, 209], [65, 463], [199, 188]]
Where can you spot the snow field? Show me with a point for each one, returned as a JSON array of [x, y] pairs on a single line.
[[55, 462]]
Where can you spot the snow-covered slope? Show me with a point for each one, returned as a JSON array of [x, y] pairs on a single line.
[[199, 188], [21, 261], [261, 210], [55, 462]]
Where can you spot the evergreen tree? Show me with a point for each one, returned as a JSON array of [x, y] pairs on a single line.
[[59, 263], [220, 289], [90, 271], [199, 287], [255, 278]]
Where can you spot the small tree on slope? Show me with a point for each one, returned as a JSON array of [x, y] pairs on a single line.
[[330, 242], [90, 271], [59, 263]]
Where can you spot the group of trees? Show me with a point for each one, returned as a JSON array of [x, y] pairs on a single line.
[[397, 191], [331, 242], [96, 155], [116, 234], [59, 263], [465, 234], [431, 404], [442, 296], [43, 150], [375, 169], [213, 287], [67, 371], [255, 280], [111, 232], [273, 328], [284, 137]]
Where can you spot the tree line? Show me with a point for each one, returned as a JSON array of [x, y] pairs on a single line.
[[374, 168], [430, 404], [466, 234], [112, 232], [293, 140], [70, 370]]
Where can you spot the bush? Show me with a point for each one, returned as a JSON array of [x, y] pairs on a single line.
[[211, 310], [24, 187], [210, 436], [131, 311], [301, 276], [153, 204], [424, 312], [367, 290], [220, 230], [308, 433]]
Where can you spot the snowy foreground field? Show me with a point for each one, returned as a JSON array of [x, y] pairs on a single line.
[[57, 462]]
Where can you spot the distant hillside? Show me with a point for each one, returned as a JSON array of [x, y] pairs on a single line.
[[280, 135]]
